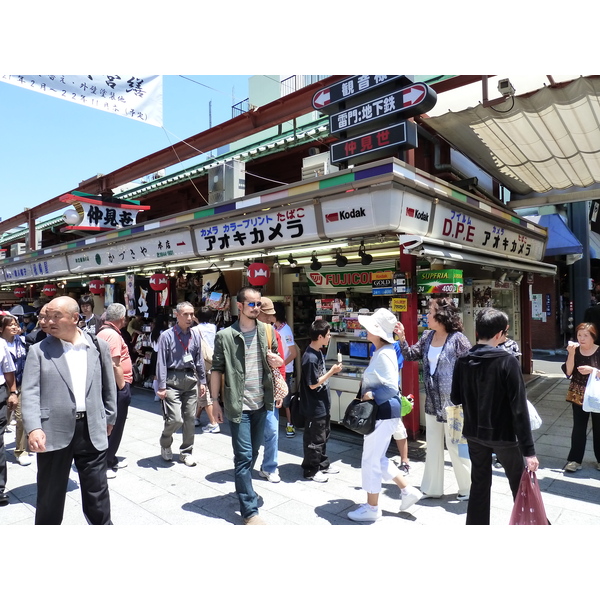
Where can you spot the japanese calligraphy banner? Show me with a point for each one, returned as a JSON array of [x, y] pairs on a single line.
[[463, 228], [265, 229], [164, 247], [136, 97], [44, 267]]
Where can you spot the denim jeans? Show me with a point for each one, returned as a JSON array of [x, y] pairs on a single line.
[[3, 417], [246, 438], [269, 464]]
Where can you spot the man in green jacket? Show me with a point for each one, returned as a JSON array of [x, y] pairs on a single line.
[[242, 361]]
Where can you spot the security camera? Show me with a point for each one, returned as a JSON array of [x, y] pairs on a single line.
[[506, 88]]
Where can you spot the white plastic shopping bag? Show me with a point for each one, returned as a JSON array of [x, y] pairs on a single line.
[[534, 417], [591, 397]]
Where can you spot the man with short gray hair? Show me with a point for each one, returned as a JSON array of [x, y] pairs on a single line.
[[181, 377], [110, 332]]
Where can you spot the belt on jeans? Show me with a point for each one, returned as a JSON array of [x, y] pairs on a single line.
[[80, 415]]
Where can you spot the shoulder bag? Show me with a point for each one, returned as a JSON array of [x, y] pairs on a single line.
[[296, 413], [207, 353], [360, 415], [280, 387]]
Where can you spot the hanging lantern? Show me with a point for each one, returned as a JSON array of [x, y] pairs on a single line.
[[258, 273], [20, 292], [50, 290], [97, 287], [159, 281]]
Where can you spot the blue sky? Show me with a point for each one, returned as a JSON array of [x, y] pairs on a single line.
[[48, 145]]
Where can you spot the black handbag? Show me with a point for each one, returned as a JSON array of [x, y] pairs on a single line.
[[296, 413], [360, 416]]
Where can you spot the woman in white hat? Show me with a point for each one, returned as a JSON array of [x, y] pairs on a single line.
[[439, 348], [380, 383]]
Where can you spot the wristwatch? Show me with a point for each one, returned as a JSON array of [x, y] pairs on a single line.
[[13, 392]]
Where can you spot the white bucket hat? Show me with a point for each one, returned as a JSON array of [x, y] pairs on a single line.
[[380, 323]]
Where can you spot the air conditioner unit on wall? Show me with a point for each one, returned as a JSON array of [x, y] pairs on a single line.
[[226, 181], [317, 165], [19, 248]]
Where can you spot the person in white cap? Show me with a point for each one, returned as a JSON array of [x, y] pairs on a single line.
[[380, 383]]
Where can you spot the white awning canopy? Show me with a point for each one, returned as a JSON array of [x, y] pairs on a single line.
[[432, 248], [540, 145]]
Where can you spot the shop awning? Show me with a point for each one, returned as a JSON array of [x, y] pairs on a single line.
[[561, 240], [542, 146], [594, 240], [432, 248]]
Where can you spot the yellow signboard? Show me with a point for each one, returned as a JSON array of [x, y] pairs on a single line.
[[399, 304]]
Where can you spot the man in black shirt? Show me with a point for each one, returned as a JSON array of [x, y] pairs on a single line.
[[316, 404]]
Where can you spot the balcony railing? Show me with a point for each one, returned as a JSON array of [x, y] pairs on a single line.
[[287, 86]]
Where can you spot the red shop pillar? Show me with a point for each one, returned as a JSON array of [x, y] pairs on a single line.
[[410, 369]]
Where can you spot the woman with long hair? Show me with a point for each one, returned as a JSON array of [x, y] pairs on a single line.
[[438, 348], [583, 356], [11, 332]]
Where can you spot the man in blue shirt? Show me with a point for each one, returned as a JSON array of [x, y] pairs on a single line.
[[180, 372]]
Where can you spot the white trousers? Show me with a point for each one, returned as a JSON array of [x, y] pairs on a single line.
[[433, 475], [375, 467]]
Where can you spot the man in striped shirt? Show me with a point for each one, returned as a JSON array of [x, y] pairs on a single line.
[[243, 360]]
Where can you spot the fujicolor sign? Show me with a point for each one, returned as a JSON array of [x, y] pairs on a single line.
[[345, 279]]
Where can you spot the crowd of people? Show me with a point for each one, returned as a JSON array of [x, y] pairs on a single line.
[[66, 383]]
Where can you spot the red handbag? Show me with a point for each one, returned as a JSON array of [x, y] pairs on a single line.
[[529, 507]]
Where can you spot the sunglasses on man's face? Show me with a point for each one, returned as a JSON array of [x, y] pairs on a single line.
[[254, 304]]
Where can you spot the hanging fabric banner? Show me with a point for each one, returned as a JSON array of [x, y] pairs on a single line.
[[138, 98], [92, 213]]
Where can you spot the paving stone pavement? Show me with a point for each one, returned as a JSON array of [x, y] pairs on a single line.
[[150, 491]]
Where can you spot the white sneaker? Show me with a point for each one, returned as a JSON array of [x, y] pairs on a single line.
[[166, 454], [110, 473], [331, 470], [187, 460], [410, 497], [211, 428], [272, 477], [318, 477], [24, 460], [365, 514], [121, 463]]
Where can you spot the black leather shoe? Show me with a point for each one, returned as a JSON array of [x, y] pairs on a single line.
[[3, 498]]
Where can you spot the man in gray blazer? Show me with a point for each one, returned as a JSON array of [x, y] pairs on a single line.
[[68, 402]]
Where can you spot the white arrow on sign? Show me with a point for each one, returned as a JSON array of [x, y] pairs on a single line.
[[413, 95], [322, 98]]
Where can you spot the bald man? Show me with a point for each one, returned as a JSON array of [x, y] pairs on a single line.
[[68, 401]]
